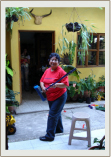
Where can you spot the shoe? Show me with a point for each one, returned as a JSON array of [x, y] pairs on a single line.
[[58, 132], [43, 138]]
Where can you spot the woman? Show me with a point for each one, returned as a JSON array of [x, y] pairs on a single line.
[[56, 96], [25, 61]]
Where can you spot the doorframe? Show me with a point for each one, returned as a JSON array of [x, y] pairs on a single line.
[[53, 50]]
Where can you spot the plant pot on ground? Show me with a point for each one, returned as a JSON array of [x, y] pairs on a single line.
[[80, 98], [86, 94], [10, 97], [101, 145], [72, 91], [101, 84], [68, 97], [101, 88], [9, 122], [88, 100], [90, 86], [100, 95], [75, 97], [11, 109], [93, 95], [93, 99]]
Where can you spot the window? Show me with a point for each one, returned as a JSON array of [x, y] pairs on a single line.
[[96, 51]]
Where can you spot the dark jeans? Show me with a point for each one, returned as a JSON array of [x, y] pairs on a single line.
[[54, 123], [25, 81]]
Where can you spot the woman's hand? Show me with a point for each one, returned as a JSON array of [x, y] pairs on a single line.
[[54, 86], [58, 85], [44, 89]]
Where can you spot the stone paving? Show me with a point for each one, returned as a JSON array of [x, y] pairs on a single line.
[[31, 118]]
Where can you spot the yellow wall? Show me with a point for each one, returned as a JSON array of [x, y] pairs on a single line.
[[54, 22]]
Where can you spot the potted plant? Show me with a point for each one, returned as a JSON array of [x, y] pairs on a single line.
[[72, 91], [90, 86], [10, 98], [101, 144], [93, 95], [101, 84], [83, 90], [14, 14], [10, 94], [81, 86], [100, 95]]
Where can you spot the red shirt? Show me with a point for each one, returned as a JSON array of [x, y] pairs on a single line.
[[50, 77]]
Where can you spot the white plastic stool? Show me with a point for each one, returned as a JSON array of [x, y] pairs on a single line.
[[80, 116]]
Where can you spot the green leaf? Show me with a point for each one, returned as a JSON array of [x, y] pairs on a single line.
[[7, 110], [12, 24], [9, 71], [66, 41], [93, 26], [96, 140]]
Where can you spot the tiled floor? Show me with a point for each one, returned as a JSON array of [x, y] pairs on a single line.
[[60, 142], [32, 103]]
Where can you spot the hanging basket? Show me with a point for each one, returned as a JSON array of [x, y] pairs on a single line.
[[14, 18], [73, 27]]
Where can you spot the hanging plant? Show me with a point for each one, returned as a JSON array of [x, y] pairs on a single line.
[[14, 14], [68, 57], [66, 49], [73, 27], [85, 37]]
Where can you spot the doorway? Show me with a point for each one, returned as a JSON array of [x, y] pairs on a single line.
[[39, 45]]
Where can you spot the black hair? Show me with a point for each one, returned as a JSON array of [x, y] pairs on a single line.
[[53, 54], [27, 53]]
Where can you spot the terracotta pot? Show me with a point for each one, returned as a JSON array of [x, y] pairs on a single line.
[[87, 94], [11, 109], [75, 97], [101, 88]]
